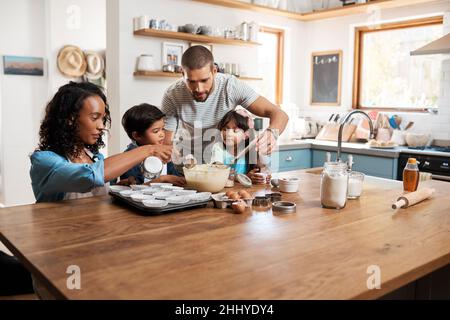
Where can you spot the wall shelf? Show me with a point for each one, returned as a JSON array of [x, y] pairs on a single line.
[[192, 37], [317, 15], [178, 75]]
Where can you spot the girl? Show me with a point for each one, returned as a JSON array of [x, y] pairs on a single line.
[[67, 163], [235, 128], [144, 125]]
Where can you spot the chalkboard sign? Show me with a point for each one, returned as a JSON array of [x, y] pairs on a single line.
[[326, 78]]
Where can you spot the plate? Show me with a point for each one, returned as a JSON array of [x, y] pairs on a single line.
[[117, 189]]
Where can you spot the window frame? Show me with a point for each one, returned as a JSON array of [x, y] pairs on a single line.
[[280, 61], [358, 60]]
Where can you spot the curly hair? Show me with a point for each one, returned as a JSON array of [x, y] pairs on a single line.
[[59, 129]]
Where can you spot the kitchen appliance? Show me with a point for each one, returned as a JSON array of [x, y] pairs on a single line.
[[307, 128], [436, 164]]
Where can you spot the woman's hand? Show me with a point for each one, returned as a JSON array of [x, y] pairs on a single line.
[[175, 180], [164, 152]]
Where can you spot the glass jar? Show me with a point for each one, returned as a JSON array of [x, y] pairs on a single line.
[[355, 184], [334, 185]]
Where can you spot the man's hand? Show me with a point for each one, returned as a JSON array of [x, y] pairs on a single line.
[[266, 143]]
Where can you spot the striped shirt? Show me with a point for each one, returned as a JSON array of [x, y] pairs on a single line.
[[184, 113]]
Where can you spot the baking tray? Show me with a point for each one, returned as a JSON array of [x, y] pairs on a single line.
[[192, 204]]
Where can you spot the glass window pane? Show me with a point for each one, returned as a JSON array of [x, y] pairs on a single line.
[[267, 63], [391, 77]]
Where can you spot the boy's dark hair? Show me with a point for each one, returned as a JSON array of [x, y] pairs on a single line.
[[58, 131], [139, 118], [197, 57]]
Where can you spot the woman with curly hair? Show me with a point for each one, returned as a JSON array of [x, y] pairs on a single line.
[[67, 163]]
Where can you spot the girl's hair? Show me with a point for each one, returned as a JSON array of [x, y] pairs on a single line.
[[241, 121], [139, 118], [59, 129]]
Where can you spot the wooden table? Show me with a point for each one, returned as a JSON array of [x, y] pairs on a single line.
[[210, 253]]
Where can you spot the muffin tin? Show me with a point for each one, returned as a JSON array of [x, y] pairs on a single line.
[[154, 200]]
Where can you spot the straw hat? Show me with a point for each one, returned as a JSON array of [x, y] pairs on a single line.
[[71, 61], [95, 65]]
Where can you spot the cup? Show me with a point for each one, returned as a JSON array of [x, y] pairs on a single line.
[[155, 24], [355, 185], [289, 185], [152, 167], [143, 22]]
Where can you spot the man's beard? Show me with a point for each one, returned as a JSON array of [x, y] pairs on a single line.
[[206, 93]]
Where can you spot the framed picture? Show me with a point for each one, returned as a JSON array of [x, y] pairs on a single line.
[[30, 66], [326, 74], [207, 46], [171, 53]]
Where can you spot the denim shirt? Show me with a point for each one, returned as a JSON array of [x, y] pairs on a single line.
[[52, 175]]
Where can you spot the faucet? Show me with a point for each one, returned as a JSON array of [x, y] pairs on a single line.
[[341, 128]]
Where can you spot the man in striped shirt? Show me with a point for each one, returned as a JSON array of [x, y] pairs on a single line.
[[196, 103]]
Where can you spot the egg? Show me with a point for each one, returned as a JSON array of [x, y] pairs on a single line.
[[229, 193], [234, 196], [238, 207], [244, 194]]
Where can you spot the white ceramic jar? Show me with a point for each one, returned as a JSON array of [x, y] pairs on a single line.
[[288, 185], [146, 62]]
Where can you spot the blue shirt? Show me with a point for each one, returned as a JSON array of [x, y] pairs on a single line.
[[137, 171], [52, 175]]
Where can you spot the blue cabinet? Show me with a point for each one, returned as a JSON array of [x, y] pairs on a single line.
[[287, 160], [370, 165]]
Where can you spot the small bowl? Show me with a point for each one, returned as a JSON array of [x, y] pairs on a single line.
[[138, 187], [117, 189], [289, 185], [163, 195], [139, 197], [128, 193], [184, 192], [155, 203], [177, 200]]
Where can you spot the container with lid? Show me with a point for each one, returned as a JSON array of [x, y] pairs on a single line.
[[334, 185], [411, 175], [152, 167]]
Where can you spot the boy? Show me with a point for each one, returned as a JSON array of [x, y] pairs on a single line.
[[144, 124]]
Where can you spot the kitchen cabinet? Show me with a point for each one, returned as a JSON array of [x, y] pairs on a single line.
[[287, 160], [371, 165]]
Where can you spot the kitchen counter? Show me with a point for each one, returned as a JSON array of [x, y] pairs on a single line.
[[209, 253], [357, 148]]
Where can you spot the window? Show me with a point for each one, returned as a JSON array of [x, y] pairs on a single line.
[[270, 61], [386, 76]]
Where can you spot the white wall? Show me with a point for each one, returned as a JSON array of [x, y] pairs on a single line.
[[36, 28], [132, 91], [22, 32], [338, 34]]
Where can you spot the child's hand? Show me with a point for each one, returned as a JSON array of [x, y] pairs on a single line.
[[127, 182], [177, 181], [256, 177]]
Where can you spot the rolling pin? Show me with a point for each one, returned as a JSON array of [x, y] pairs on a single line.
[[412, 198]]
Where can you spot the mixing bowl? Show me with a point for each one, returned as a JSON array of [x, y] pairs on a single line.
[[206, 177]]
